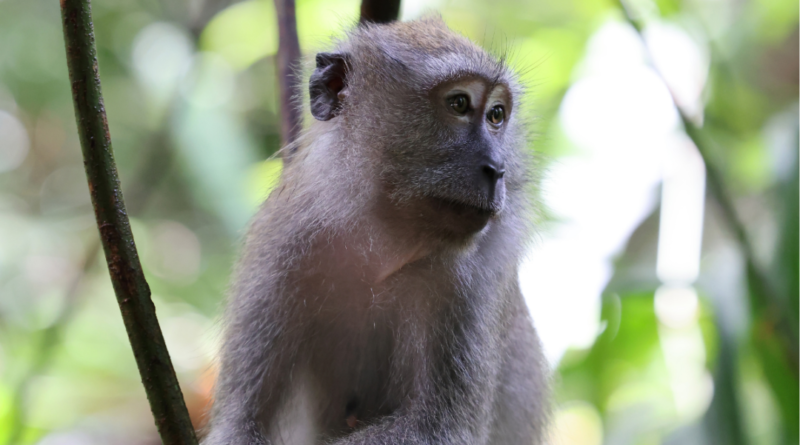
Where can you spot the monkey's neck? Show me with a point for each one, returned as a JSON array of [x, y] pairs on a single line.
[[374, 251], [393, 262], [364, 234]]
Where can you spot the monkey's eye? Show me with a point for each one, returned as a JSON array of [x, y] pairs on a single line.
[[459, 103], [496, 115]]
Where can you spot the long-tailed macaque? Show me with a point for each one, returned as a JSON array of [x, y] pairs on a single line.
[[377, 298]]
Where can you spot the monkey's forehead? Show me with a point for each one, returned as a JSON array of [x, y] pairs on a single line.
[[427, 47]]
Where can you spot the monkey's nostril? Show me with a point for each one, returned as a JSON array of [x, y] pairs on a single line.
[[489, 171], [492, 173]]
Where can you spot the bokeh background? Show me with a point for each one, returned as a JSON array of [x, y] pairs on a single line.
[[639, 283]]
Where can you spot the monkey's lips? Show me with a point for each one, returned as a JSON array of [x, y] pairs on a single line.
[[466, 208], [462, 216]]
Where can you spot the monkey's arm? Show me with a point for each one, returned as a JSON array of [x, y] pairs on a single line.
[[520, 410], [258, 352], [453, 388]]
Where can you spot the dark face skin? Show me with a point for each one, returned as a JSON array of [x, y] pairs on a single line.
[[474, 113]]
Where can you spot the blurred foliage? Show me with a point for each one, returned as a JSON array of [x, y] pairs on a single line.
[[190, 94]]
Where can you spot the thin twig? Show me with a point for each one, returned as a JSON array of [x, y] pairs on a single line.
[[379, 11], [764, 295], [127, 277], [288, 61]]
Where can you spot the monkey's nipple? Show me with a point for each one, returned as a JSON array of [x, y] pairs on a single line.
[[351, 420]]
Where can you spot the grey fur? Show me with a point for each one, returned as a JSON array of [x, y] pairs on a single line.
[[362, 314]]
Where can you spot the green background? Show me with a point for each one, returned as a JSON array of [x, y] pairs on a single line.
[[190, 93]]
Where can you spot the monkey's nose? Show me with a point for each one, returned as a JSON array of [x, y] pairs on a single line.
[[493, 172]]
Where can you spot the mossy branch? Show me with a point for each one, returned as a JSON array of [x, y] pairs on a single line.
[[127, 277]]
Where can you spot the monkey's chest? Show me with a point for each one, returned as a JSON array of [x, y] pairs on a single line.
[[362, 343], [352, 362]]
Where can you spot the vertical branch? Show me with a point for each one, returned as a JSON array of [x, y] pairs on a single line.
[[288, 60], [127, 277], [379, 11], [763, 293]]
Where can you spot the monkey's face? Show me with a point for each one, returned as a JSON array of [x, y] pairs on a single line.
[[451, 153], [460, 170], [439, 128]]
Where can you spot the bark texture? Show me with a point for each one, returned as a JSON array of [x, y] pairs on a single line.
[[130, 286]]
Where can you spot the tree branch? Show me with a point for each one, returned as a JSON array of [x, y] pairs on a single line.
[[764, 295], [288, 60], [379, 11], [127, 277]]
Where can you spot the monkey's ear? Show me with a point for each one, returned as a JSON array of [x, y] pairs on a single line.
[[327, 81]]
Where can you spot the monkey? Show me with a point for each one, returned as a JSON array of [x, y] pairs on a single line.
[[376, 300]]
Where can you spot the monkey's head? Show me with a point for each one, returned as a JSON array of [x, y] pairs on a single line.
[[431, 115]]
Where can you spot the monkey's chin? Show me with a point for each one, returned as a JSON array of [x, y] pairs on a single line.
[[460, 218]]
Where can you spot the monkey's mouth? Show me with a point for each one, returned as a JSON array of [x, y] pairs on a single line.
[[464, 209]]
